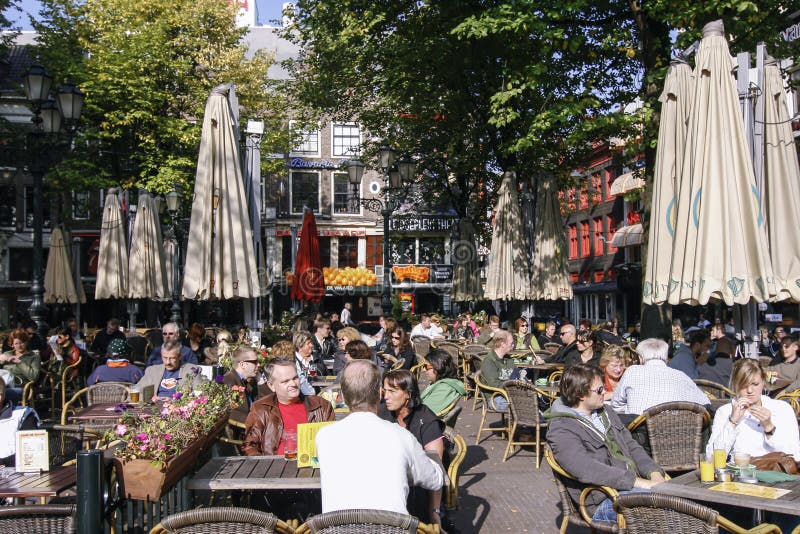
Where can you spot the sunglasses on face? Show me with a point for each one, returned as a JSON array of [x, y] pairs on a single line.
[[427, 367], [563, 333], [163, 332], [600, 390], [395, 337], [523, 326], [254, 362]]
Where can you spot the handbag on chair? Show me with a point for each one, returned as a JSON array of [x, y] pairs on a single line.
[[776, 461]]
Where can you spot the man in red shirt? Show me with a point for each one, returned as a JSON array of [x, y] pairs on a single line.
[[281, 411]]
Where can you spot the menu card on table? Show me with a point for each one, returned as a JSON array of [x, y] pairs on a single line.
[[751, 490], [306, 446], [33, 453]]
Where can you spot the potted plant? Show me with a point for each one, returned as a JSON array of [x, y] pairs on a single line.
[[159, 447]]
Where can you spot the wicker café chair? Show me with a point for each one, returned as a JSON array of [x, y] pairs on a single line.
[[765, 361], [523, 401], [645, 513], [421, 346], [453, 349], [489, 395], [793, 398], [457, 455], [450, 418], [140, 348], [366, 522], [39, 518], [100, 393], [572, 513], [714, 390], [222, 520], [675, 432]]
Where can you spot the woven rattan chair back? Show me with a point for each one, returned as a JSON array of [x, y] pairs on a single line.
[[39, 518], [155, 337], [452, 349], [523, 402], [645, 513], [714, 390], [474, 349], [140, 347], [361, 521], [107, 392], [675, 430], [421, 346], [64, 442], [458, 452], [221, 520]]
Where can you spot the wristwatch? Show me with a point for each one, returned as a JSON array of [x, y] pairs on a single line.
[[771, 432]]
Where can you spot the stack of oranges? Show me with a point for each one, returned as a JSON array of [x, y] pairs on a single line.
[[349, 276]]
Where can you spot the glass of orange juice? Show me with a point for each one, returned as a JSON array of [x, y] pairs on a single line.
[[720, 455], [706, 469]]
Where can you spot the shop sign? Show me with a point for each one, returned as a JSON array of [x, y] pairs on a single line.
[[421, 224], [300, 163], [774, 317], [791, 33], [422, 274]]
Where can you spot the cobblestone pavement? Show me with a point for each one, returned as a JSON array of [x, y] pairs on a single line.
[[497, 496]]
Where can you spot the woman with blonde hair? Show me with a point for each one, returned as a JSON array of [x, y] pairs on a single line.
[[753, 423], [612, 363], [343, 337]]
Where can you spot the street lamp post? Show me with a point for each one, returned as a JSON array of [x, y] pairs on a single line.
[[173, 205], [393, 179], [44, 152]]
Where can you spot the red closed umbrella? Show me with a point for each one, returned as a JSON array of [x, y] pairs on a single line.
[[308, 283]]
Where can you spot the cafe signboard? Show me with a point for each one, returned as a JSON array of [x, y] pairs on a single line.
[[421, 224], [422, 274]]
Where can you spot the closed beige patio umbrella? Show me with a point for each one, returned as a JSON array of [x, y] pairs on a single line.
[[781, 186], [112, 257], [220, 261], [720, 246], [675, 105], [466, 274], [550, 274], [169, 259], [59, 284], [508, 276], [148, 277]]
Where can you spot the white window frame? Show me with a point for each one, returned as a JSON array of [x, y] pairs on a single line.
[[305, 134], [291, 190], [360, 211], [333, 139]]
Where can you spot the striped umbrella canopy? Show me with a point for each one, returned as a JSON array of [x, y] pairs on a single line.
[[550, 273], [112, 257], [59, 284], [148, 274], [467, 274], [720, 244], [781, 186], [675, 105], [508, 276], [220, 261], [308, 283]]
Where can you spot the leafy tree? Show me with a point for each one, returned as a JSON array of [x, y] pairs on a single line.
[[147, 69]]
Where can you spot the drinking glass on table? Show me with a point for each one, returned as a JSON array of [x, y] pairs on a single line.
[[135, 395], [720, 455], [706, 469], [290, 444]]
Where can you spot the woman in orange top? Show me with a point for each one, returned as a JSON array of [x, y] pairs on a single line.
[[612, 363]]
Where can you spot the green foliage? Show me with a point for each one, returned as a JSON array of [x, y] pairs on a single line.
[[147, 69]]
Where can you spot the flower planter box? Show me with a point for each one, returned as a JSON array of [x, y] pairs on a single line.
[[141, 480]]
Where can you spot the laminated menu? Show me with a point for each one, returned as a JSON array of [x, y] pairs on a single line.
[[306, 446], [32, 453], [751, 490]]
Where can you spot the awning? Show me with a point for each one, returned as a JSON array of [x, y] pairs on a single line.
[[628, 236], [626, 182]]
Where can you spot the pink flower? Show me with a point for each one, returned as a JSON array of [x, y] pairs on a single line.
[[142, 437], [121, 429]]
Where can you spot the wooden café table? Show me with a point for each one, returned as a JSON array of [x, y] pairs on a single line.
[[688, 486], [104, 411], [254, 473], [43, 484]]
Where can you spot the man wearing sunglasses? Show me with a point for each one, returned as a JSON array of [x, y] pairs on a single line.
[[171, 334], [593, 445], [245, 369]]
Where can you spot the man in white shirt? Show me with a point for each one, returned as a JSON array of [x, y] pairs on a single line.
[[644, 386], [345, 318], [425, 328], [366, 462]]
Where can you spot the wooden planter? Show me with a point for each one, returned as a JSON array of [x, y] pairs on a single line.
[[141, 480]]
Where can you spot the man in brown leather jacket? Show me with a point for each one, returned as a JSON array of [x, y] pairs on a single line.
[[282, 410]]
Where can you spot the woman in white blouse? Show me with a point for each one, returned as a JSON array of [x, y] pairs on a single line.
[[753, 423]]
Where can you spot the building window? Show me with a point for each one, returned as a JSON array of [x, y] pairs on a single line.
[[20, 263], [374, 251], [348, 252], [8, 205], [80, 205], [431, 250], [598, 236], [346, 140], [571, 204], [610, 175], [597, 188], [612, 229], [598, 276], [573, 242], [304, 187], [573, 277], [286, 253], [325, 251], [403, 250], [308, 144], [585, 239], [584, 197], [344, 202], [29, 208]]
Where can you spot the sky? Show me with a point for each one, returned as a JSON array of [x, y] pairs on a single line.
[[268, 10]]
